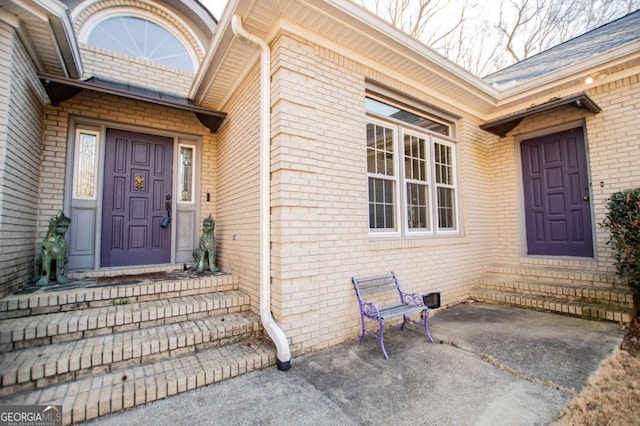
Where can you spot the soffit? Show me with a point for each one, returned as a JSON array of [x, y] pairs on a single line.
[[346, 27], [46, 31], [363, 37]]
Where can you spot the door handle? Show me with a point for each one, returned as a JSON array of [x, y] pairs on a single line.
[[167, 205], [585, 198]]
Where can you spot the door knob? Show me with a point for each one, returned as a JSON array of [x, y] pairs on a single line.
[[585, 198]]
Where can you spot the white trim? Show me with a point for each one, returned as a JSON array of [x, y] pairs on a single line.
[[400, 202], [191, 145], [428, 183], [395, 178], [454, 187], [361, 59], [95, 133]]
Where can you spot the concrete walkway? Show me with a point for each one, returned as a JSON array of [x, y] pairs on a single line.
[[495, 366]]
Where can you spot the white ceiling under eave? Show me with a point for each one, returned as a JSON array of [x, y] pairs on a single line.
[[44, 26], [341, 26]]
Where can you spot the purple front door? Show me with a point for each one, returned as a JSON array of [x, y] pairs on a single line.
[[137, 180], [556, 195]]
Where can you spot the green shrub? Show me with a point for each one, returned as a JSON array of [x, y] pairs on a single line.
[[623, 222]]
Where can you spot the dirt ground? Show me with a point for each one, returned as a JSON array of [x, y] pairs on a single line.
[[612, 396]]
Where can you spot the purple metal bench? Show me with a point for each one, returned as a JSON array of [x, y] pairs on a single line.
[[375, 286]]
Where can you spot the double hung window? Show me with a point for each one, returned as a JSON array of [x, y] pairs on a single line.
[[411, 172]]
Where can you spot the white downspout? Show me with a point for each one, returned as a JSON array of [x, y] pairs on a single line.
[[273, 329]]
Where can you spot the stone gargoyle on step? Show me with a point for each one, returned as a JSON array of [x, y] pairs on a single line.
[[54, 251], [204, 256]]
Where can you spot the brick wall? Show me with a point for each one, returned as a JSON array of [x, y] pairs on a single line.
[[21, 108], [237, 188], [319, 209], [127, 69]]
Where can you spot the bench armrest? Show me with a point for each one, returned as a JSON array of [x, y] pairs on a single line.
[[411, 299], [370, 310]]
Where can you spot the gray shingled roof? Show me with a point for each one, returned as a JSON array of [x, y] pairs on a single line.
[[609, 36]]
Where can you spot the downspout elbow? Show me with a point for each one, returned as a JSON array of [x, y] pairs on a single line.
[[274, 331]]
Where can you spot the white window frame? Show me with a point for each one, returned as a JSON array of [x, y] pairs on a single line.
[[400, 181], [395, 179], [76, 159], [193, 174], [97, 18]]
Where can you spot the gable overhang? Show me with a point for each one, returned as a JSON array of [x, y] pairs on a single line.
[[343, 27], [355, 33], [62, 89], [46, 30], [503, 126]]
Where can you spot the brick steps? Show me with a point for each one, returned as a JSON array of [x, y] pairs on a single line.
[[40, 366], [101, 394], [103, 344], [571, 291], [22, 332], [94, 294], [551, 304], [576, 275]]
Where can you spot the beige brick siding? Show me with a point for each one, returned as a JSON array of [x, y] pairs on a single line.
[[110, 65], [612, 149], [319, 204], [237, 188], [21, 106]]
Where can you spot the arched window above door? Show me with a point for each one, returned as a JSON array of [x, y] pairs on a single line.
[[142, 38]]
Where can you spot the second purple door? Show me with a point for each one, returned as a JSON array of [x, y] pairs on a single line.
[[556, 195], [137, 181]]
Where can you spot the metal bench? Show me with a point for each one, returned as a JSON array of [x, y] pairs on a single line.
[[368, 287]]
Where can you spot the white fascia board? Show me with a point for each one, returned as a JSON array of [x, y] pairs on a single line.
[[577, 71], [23, 34], [386, 34], [302, 32], [220, 42], [56, 16]]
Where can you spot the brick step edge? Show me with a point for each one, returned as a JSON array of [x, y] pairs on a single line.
[[49, 300], [551, 304], [41, 366], [558, 274], [612, 296], [102, 394], [18, 333]]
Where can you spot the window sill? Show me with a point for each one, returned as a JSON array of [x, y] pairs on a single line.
[[393, 243]]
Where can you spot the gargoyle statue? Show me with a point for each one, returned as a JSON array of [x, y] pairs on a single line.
[[204, 256], [54, 249]]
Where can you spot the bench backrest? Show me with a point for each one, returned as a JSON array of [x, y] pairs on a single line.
[[376, 284]]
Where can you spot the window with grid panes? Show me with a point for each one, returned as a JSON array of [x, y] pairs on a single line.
[[411, 172]]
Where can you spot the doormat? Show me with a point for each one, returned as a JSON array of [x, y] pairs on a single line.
[[121, 279]]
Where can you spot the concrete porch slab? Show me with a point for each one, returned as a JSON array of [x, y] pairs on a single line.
[[497, 365]]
